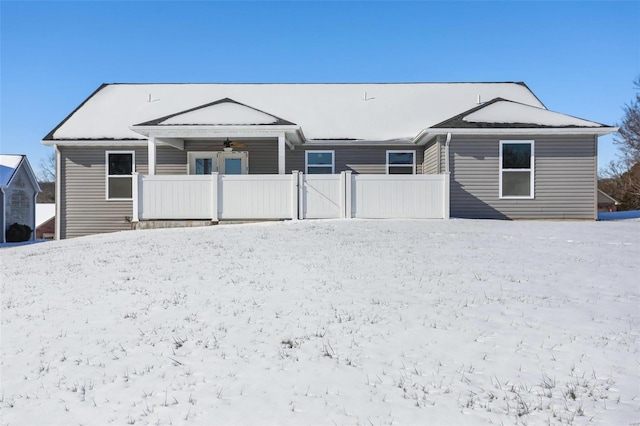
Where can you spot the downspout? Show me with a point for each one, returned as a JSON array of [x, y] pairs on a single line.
[[447, 179], [4, 213], [446, 152], [58, 190], [33, 234]]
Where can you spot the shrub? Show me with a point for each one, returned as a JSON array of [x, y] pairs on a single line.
[[18, 233]]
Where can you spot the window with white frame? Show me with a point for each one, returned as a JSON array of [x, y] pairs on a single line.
[[233, 163], [401, 162], [516, 169], [319, 162], [202, 163], [119, 181]]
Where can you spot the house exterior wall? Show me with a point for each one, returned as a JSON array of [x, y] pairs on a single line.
[[361, 160], [565, 178], [85, 210], [431, 157], [20, 201]]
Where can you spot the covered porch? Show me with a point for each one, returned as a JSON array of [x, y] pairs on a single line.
[[215, 137]]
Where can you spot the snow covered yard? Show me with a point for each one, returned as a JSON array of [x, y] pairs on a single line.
[[326, 322]]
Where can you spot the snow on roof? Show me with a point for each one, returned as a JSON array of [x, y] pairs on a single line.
[[8, 166], [504, 111], [222, 112], [369, 111], [44, 212]]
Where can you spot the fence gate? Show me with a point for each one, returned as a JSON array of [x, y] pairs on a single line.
[[322, 196]]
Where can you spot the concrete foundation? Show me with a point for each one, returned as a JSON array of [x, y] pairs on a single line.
[[161, 224]]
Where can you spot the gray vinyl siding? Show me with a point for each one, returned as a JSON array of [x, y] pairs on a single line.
[[565, 179], [83, 205], [263, 154], [85, 210], [362, 160], [431, 154]]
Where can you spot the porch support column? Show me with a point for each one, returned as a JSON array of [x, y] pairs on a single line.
[[151, 154], [135, 194], [281, 145]]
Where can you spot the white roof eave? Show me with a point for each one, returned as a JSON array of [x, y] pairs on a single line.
[[294, 134], [95, 142], [427, 134], [186, 131]]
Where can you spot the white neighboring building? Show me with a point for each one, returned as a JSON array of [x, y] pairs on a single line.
[[18, 191]]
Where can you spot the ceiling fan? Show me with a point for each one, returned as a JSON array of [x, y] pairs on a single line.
[[234, 144]]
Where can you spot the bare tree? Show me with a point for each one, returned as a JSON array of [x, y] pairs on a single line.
[[48, 168], [628, 140], [47, 179], [622, 177]]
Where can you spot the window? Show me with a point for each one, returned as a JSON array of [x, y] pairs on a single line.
[[516, 169], [319, 162], [225, 163], [202, 163], [120, 165], [233, 163], [401, 162]]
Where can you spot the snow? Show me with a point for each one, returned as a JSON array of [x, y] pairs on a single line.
[[8, 166], [223, 113], [44, 212], [326, 322], [339, 111], [511, 112]]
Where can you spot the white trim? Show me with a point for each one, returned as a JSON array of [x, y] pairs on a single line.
[[281, 154], [530, 170], [320, 151], [595, 180], [404, 142], [96, 142], [4, 214], [107, 176], [187, 132], [151, 155], [426, 135], [58, 193], [400, 151]]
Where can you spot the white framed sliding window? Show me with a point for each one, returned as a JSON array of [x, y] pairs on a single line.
[[319, 162], [119, 166], [401, 162], [202, 163], [517, 169]]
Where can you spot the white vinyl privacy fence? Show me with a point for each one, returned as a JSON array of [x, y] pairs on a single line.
[[295, 196]]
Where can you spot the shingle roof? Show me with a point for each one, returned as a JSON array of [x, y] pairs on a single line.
[[502, 113], [221, 112], [367, 111]]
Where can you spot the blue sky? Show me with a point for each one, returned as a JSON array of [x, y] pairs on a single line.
[[579, 58]]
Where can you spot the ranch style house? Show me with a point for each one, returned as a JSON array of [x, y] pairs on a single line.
[[153, 155]]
